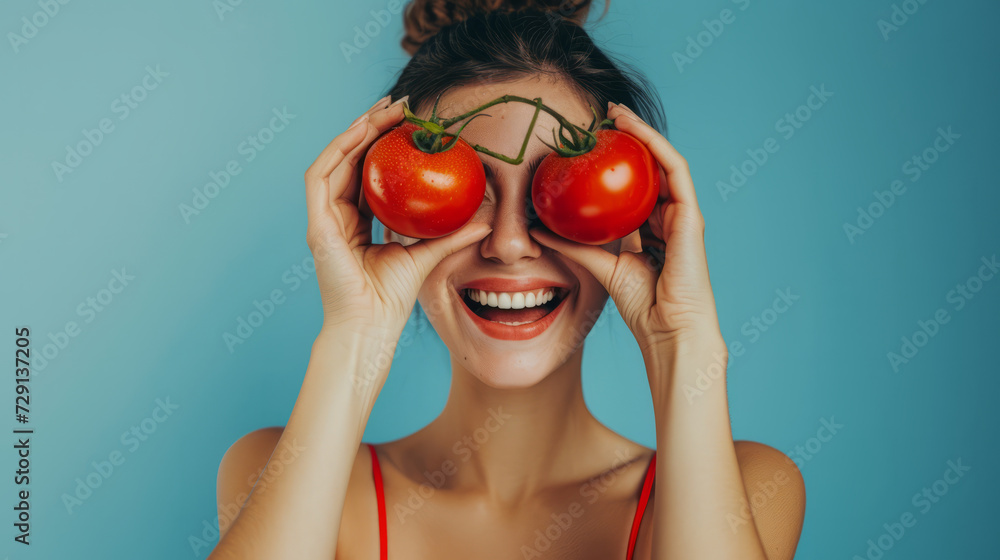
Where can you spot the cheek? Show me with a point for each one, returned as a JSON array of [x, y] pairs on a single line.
[[485, 212]]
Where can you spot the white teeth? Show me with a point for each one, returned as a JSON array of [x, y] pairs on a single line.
[[512, 300], [517, 301]]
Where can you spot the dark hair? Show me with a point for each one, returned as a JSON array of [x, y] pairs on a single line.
[[506, 43], [463, 42]]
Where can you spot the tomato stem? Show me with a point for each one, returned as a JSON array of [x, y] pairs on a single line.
[[524, 145], [579, 141], [570, 139]]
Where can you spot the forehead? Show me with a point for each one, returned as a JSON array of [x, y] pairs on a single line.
[[504, 130]]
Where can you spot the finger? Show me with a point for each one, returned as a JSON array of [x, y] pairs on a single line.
[[363, 206], [653, 226], [331, 155], [344, 181], [678, 185], [317, 188], [427, 253], [600, 263]]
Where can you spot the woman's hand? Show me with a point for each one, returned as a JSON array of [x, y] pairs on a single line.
[[364, 286], [666, 301]]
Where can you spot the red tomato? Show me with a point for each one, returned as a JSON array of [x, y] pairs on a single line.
[[418, 194], [599, 196]]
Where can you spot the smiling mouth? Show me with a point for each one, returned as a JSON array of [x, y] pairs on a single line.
[[513, 308]]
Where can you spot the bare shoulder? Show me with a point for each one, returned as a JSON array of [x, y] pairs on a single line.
[[239, 469], [777, 501], [777, 495], [242, 467]]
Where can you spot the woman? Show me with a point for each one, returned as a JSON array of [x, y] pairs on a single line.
[[515, 466]]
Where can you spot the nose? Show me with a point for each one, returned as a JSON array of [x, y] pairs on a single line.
[[509, 241]]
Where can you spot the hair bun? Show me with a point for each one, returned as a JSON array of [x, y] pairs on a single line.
[[424, 18]]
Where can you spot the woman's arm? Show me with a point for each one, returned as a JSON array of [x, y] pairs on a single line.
[[299, 514], [702, 499], [367, 292], [668, 305]]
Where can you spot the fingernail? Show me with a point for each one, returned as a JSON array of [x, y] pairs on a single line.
[[624, 106], [610, 105], [363, 118], [400, 100], [379, 102]]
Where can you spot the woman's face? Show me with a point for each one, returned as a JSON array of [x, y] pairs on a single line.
[[503, 346]]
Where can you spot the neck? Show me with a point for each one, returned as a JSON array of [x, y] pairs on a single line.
[[511, 442]]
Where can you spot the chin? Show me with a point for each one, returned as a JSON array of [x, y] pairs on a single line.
[[511, 332], [511, 370]]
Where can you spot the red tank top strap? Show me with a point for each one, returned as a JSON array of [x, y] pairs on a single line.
[[647, 486], [380, 497]]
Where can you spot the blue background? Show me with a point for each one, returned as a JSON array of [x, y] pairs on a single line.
[[824, 359]]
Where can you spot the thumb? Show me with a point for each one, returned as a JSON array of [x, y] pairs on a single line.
[[597, 261], [427, 253]]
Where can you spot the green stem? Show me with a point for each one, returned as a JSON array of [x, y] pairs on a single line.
[[579, 141], [524, 145], [507, 99]]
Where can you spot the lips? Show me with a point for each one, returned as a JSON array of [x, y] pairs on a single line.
[[511, 284], [506, 313]]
